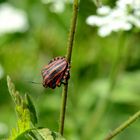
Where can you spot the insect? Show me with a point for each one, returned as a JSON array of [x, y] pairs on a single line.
[[57, 72]]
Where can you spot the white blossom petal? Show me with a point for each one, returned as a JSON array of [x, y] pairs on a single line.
[[57, 7], [104, 31], [117, 13], [12, 19], [136, 4], [122, 4], [117, 25], [94, 20], [134, 20], [137, 13], [104, 10]]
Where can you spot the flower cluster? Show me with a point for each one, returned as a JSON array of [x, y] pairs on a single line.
[[12, 19], [57, 6], [124, 16]]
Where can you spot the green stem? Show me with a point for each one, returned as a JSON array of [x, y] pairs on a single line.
[[101, 106], [69, 54], [123, 126], [117, 63], [72, 30]]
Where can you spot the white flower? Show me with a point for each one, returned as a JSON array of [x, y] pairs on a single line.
[[12, 19], [104, 10], [94, 21], [135, 21], [124, 16], [57, 6], [123, 3], [136, 4], [114, 26], [104, 31], [137, 13]]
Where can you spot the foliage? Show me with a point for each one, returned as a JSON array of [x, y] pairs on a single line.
[[27, 119], [40, 134], [23, 113]]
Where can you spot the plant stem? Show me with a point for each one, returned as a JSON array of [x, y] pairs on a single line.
[[102, 104], [123, 126], [72, 30], [68, 56]]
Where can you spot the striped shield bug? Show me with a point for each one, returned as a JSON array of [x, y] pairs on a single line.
[[57, 72]]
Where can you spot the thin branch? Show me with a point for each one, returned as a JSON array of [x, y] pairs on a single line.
[[69, 54], [123, 126], [72, 30]]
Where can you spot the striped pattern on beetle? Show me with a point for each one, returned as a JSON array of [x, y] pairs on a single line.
[[56, 72]]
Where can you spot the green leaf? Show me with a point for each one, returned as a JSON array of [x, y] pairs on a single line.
[[31, 134], [31, 107], [23, 112], [15, 94], [40, 134]]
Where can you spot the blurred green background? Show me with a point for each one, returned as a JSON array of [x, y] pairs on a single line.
[[92, 112]]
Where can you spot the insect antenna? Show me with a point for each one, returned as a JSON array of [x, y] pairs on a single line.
[[34, 82]]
